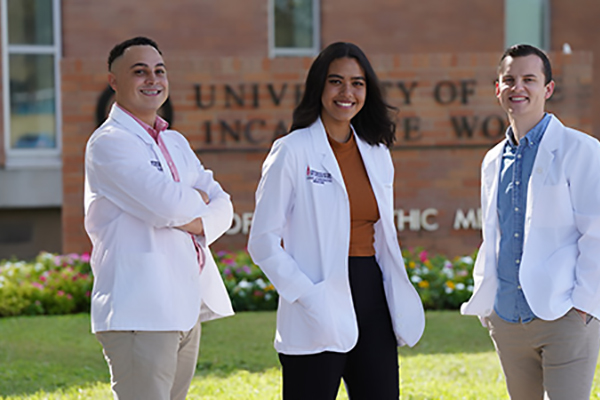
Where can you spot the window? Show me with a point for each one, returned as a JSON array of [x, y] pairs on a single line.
[[293, 27], [30, 63], [527, 21]]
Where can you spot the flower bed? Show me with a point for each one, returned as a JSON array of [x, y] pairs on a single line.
[[61, 284], [50, 284]]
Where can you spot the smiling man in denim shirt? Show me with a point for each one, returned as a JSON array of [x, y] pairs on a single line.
[[537, 275]]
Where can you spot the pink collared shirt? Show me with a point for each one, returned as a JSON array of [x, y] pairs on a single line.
[[160, 125]]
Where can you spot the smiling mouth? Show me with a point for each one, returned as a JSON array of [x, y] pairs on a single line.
[[151, 92], [517, 99], [344, 104]]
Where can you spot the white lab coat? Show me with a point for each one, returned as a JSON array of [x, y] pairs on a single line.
[[560, 266], [146, 273], [300, 238]]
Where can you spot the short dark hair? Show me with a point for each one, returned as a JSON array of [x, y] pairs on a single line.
[[373, 123], [522, 50], [119, 49]]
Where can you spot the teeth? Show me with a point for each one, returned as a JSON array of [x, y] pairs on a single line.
[[151, 92], [518, 98], [343, 104]]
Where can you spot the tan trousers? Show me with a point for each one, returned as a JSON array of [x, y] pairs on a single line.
[[147, 365], [556, 359]]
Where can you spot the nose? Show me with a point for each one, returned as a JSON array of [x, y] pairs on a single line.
[[518, 84], [346, 88], [151, 77]]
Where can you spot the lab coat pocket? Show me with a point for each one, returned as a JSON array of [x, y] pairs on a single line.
[[304, 324]]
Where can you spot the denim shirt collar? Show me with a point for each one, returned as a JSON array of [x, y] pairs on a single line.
[[532, 137]]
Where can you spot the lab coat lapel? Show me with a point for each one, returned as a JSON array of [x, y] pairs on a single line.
[[541, 167], [132, 126], [490, 175], [321, 146]]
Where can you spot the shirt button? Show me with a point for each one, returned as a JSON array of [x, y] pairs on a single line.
[[518, 183], [516, 235], [519, 287], [518, 156], [517, 209], [517, 261]]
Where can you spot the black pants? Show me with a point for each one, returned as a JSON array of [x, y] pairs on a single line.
[[370, 369]]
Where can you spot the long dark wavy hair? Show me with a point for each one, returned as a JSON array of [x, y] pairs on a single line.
[[373, 123]]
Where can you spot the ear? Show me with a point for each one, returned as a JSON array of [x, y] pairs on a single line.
[[497, 85], [549, 90], [112, 81]]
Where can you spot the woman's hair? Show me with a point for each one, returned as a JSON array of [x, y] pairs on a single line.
[[373, 123]]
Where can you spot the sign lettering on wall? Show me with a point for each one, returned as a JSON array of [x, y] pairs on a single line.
[[413, 220]]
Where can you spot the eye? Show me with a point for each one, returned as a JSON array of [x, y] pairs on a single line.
[[334, 81], [138, 71], [358, 83], [160, 72]]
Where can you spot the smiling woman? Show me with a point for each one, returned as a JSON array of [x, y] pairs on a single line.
[[323, 233]]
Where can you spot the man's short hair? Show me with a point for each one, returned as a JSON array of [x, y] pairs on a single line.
[[522, 50], [119, 49]]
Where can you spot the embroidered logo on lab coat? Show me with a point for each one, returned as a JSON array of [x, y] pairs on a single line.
[[317, 176], [156, 164]]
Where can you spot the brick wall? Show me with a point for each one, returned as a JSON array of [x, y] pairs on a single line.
[[448, 119], [575, 22]]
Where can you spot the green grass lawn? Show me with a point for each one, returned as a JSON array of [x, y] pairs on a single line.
[[58, 358]]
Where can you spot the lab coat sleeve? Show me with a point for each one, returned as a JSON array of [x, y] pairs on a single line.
[[218, 217], [584, 181], [274, 202], [119, 169]]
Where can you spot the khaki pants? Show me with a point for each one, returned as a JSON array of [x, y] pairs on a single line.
[[147, 365], [552, 358]]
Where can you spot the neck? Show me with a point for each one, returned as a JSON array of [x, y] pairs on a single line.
[[521, 126], [339, 132], [148, 118]]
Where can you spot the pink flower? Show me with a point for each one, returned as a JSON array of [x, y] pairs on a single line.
[[258, 293], [423, 256], [87, 294], [85, 257], [60, 293], [69, 296], [37, 285], [43, 278]]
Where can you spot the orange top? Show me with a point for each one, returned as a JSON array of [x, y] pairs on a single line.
[[363, 205]]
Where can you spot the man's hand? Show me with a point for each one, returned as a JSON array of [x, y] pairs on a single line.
[[204, 196], [583, 315], [196, 227]]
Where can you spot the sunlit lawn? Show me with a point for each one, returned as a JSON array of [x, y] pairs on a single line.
[[57, 358]]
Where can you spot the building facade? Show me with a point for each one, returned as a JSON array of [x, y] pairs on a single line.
[[236, 73]]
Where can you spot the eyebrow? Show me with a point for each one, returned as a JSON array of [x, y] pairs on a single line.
[[146, 65], [524, 76], [362, 78]]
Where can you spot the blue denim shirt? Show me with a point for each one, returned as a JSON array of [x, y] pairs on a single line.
[[515, 171]]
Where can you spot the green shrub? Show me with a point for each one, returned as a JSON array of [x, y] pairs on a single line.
[[248, 287], [441, 283], [61, 284], [49, 285]]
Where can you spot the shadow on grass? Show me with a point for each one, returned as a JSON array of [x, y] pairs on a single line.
[[51, 353]]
